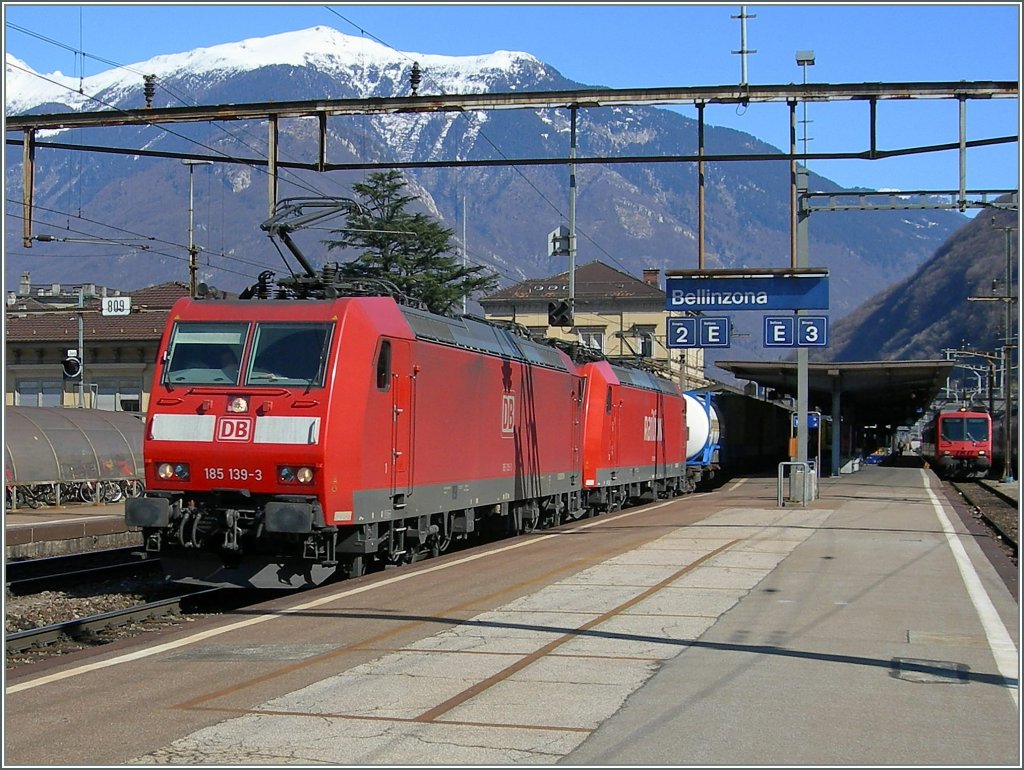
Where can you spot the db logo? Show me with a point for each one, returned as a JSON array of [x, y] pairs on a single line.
[[234, 429], [508, 414]]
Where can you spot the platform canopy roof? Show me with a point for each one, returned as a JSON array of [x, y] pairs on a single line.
[[871, 392], [47, 445]]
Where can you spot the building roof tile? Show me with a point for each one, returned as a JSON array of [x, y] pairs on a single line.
[[28, 320], [593, 280]]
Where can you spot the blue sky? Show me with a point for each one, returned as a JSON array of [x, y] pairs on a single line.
[[635, 46]]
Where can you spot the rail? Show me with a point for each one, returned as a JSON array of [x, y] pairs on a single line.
[[19, 641]]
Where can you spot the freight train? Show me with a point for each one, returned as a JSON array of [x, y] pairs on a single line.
[[732, 433], [703, 437], [287, 442], [958, 443]]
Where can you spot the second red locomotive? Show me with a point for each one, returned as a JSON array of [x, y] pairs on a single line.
[[287, 441], [958, 444]]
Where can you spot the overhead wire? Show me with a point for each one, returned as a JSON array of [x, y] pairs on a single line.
[[147, 239], [162, 127], [114, 64], [301, 184], [168, 131], [159, 83], [164, 87]]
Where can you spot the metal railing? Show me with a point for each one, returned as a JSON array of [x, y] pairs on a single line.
[[803, 480]]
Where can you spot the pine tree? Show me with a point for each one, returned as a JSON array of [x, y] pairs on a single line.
[[411, 250]]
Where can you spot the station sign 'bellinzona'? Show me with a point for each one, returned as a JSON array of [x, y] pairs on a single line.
[[771, 290], [792, 289]]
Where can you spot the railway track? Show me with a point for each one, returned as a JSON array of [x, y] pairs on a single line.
[[88, 628], [35, 575], [997, 511], [57, 605]]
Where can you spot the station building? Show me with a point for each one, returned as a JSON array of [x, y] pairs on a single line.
[[44, 324]]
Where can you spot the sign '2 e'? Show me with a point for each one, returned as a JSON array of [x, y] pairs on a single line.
[[698, 332]]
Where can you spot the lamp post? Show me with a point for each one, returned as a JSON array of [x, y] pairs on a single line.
[[805, 59], [800, 259], [193, 250]]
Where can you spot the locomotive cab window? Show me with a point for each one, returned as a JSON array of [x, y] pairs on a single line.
[[965, 429], [289, 354], [384, 366], [205, 353]]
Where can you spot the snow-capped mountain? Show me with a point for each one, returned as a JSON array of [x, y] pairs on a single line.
[[369, 69], [631, 216]]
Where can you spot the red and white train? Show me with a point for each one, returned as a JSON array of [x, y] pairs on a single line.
[[958, 443], [289, 441]]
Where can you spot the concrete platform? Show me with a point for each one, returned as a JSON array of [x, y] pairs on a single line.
[[867, 629], [59, 530]]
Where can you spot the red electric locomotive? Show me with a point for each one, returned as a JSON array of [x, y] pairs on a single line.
[[634, 437], [331, 429], [286, 440], [958, 444]]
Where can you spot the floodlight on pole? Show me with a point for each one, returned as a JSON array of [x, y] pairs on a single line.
[[192, 249], [805, 59]]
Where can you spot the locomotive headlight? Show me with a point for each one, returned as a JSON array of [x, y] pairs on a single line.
[[168, 471], [239, 405], [287, 474]]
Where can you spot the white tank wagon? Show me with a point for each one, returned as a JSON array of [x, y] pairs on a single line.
[[703, 434]]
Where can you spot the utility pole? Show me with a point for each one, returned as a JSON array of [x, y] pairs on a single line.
[[743, 43], [193, 250], [805, 59], [1008, 300], [572, 213], [464, 261], [81, 346]]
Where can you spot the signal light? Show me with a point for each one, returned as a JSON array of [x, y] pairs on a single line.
[[646, 346], [560, 313], [72, 367]]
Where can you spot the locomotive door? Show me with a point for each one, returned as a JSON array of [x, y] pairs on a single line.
[[660, 450], [402, 398], [613, 410], [577, 430]]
